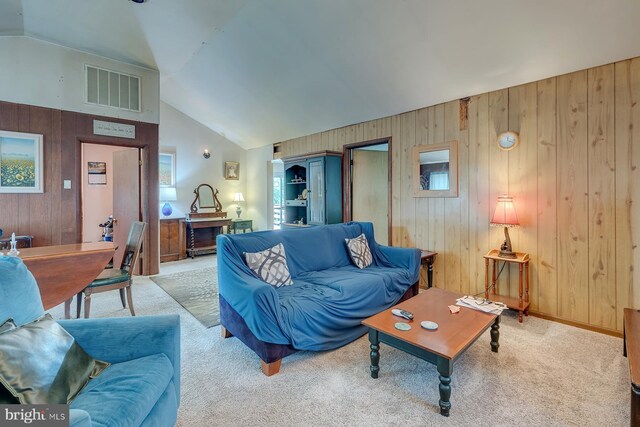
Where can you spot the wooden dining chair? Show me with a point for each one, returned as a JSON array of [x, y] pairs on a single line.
[[111, 278]]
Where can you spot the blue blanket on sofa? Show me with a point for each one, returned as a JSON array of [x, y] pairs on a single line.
[[329, 297]]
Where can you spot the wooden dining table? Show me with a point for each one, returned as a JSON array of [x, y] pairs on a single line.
[[64, 270]]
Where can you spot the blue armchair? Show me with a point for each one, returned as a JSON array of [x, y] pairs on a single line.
[[141, 387]]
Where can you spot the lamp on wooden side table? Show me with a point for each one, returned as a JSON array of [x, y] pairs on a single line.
[[505, 215], [238, 198], [168, 194]]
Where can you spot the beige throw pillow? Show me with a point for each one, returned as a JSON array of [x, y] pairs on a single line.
[[359, 251], [270, 265]]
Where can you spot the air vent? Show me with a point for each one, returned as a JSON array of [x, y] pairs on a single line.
[[112, 89]]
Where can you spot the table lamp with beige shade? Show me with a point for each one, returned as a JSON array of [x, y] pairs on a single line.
[[237, 198], [505, 216]]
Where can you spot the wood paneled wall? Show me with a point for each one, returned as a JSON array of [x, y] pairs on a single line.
[[53, 217], [574, 180]]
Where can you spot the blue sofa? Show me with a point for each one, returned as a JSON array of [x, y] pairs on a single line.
[[328, 300], [140, 388]]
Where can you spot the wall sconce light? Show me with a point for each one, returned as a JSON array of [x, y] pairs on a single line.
[[206, 154]]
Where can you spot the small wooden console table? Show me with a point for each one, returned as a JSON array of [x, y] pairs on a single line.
[[427, 258], [522, 259], [241, 224], [203, 232]]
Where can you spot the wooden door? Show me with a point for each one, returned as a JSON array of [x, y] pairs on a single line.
[[126, 198], [370, 191]]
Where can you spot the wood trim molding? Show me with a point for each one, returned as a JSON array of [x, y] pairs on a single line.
[[78, 129], [310, 155], [346, 178], [577, 324]]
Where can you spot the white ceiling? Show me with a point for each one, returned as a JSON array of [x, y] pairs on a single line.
[[263, 71]]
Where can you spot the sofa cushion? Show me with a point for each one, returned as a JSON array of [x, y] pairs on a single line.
[[270, 265], [40, 362], [359, 251], [164, 411], [5, 395], [126, 392], [79, 418], [324, 309], [18, 286], [303, 246]]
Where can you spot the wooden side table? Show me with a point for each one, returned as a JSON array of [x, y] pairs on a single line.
[[631, 350], [241, 224], [172, 239], [427, 258], [522, 259]]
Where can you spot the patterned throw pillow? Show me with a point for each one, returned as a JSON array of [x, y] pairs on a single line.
[[270, 265], [40, 362], [359, 251]]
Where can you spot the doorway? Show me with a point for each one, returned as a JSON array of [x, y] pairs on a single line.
[[367, 185], [110, 186]]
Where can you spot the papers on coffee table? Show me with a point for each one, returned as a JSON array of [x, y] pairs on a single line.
[[481, 304]]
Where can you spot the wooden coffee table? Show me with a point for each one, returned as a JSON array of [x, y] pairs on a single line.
[[455, 333]]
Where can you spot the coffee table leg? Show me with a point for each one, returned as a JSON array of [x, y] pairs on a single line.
[[445, 367], [495, 335], [375, 352]]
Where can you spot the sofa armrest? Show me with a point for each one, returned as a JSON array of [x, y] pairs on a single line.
[[125, 338], [79, 418], [258, 304], [408, 258]]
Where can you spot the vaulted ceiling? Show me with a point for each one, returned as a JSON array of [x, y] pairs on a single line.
[[262, 71]]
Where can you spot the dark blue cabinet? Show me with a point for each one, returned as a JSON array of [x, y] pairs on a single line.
[[313, 192]]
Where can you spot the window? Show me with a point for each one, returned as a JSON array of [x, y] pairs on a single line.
[[278, 198], [439, 180]]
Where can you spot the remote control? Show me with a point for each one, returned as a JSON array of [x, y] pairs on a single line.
[[402, 313]]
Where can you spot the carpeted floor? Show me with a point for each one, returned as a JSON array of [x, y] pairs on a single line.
[[546, 374], [196, 291]]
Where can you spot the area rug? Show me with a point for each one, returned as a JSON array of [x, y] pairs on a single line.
[[196, 291]]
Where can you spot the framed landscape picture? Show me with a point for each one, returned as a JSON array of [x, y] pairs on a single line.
[[231, 170], [21, 167], [167, 169]]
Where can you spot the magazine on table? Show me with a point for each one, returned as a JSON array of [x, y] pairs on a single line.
[[481, 304]]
